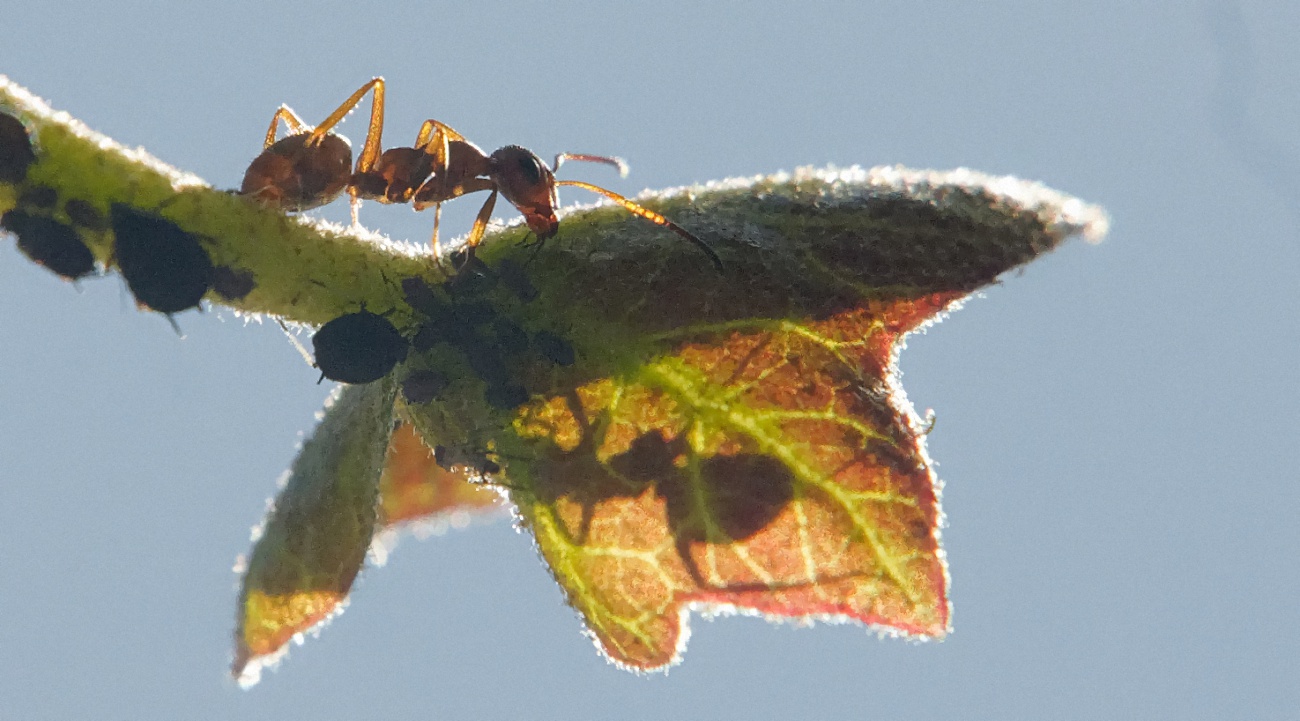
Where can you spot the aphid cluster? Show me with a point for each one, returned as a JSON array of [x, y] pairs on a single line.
[[165, 267], [490, 343], [362, 346], [168, 270], [310, 167], [43, 238]]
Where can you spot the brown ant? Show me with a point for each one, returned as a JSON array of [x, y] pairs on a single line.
[[310, 168]]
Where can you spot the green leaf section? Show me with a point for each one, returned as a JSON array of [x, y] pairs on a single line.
[[314, 540]]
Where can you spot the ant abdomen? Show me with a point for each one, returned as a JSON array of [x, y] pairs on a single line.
[[295, 174]]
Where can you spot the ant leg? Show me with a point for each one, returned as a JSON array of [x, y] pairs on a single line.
[[435, 139], [370, 150], [354, 204], [480, 223], [649, 215], [617, 163], [433, 242], [473, 185], [291, 121], [431, 128]]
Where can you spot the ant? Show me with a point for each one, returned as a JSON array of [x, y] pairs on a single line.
[[309, 168]]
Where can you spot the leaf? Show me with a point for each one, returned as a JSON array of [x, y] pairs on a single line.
[[315, 537], [415, 490], [741, 443], [675, 439]]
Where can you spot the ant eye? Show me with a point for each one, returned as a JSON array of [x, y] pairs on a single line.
[[531, 167]]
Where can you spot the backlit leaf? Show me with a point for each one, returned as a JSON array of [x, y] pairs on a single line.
[[415, 490], [739, 442], [314, 539]]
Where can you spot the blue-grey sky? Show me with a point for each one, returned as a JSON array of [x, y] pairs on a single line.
[[1116, 426]]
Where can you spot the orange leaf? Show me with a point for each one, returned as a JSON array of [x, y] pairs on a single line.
[[765, 469], [740, 441], [414, 489]]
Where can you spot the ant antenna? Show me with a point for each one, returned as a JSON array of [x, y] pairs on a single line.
[[649, 215], [617, 163]]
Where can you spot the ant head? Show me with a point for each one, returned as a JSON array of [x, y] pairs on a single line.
[[529, 185]]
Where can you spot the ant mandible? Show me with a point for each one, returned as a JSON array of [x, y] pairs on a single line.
[[310, 168]]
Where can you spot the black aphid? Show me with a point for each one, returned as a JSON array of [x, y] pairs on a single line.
[[165, 267], [449, 459], [53, 244], [506, 397], [454, 324], [421, 296], [474, 277], [85, 215], [39, 196], [554, 348], [513, 275], [426, 338], [473, 315], [232, 283], [423, 386], [16, 153], [443, 327], [358, 347], [510, 338], [486, 362]]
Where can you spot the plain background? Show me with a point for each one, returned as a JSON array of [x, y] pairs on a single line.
[[1117, 425]]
